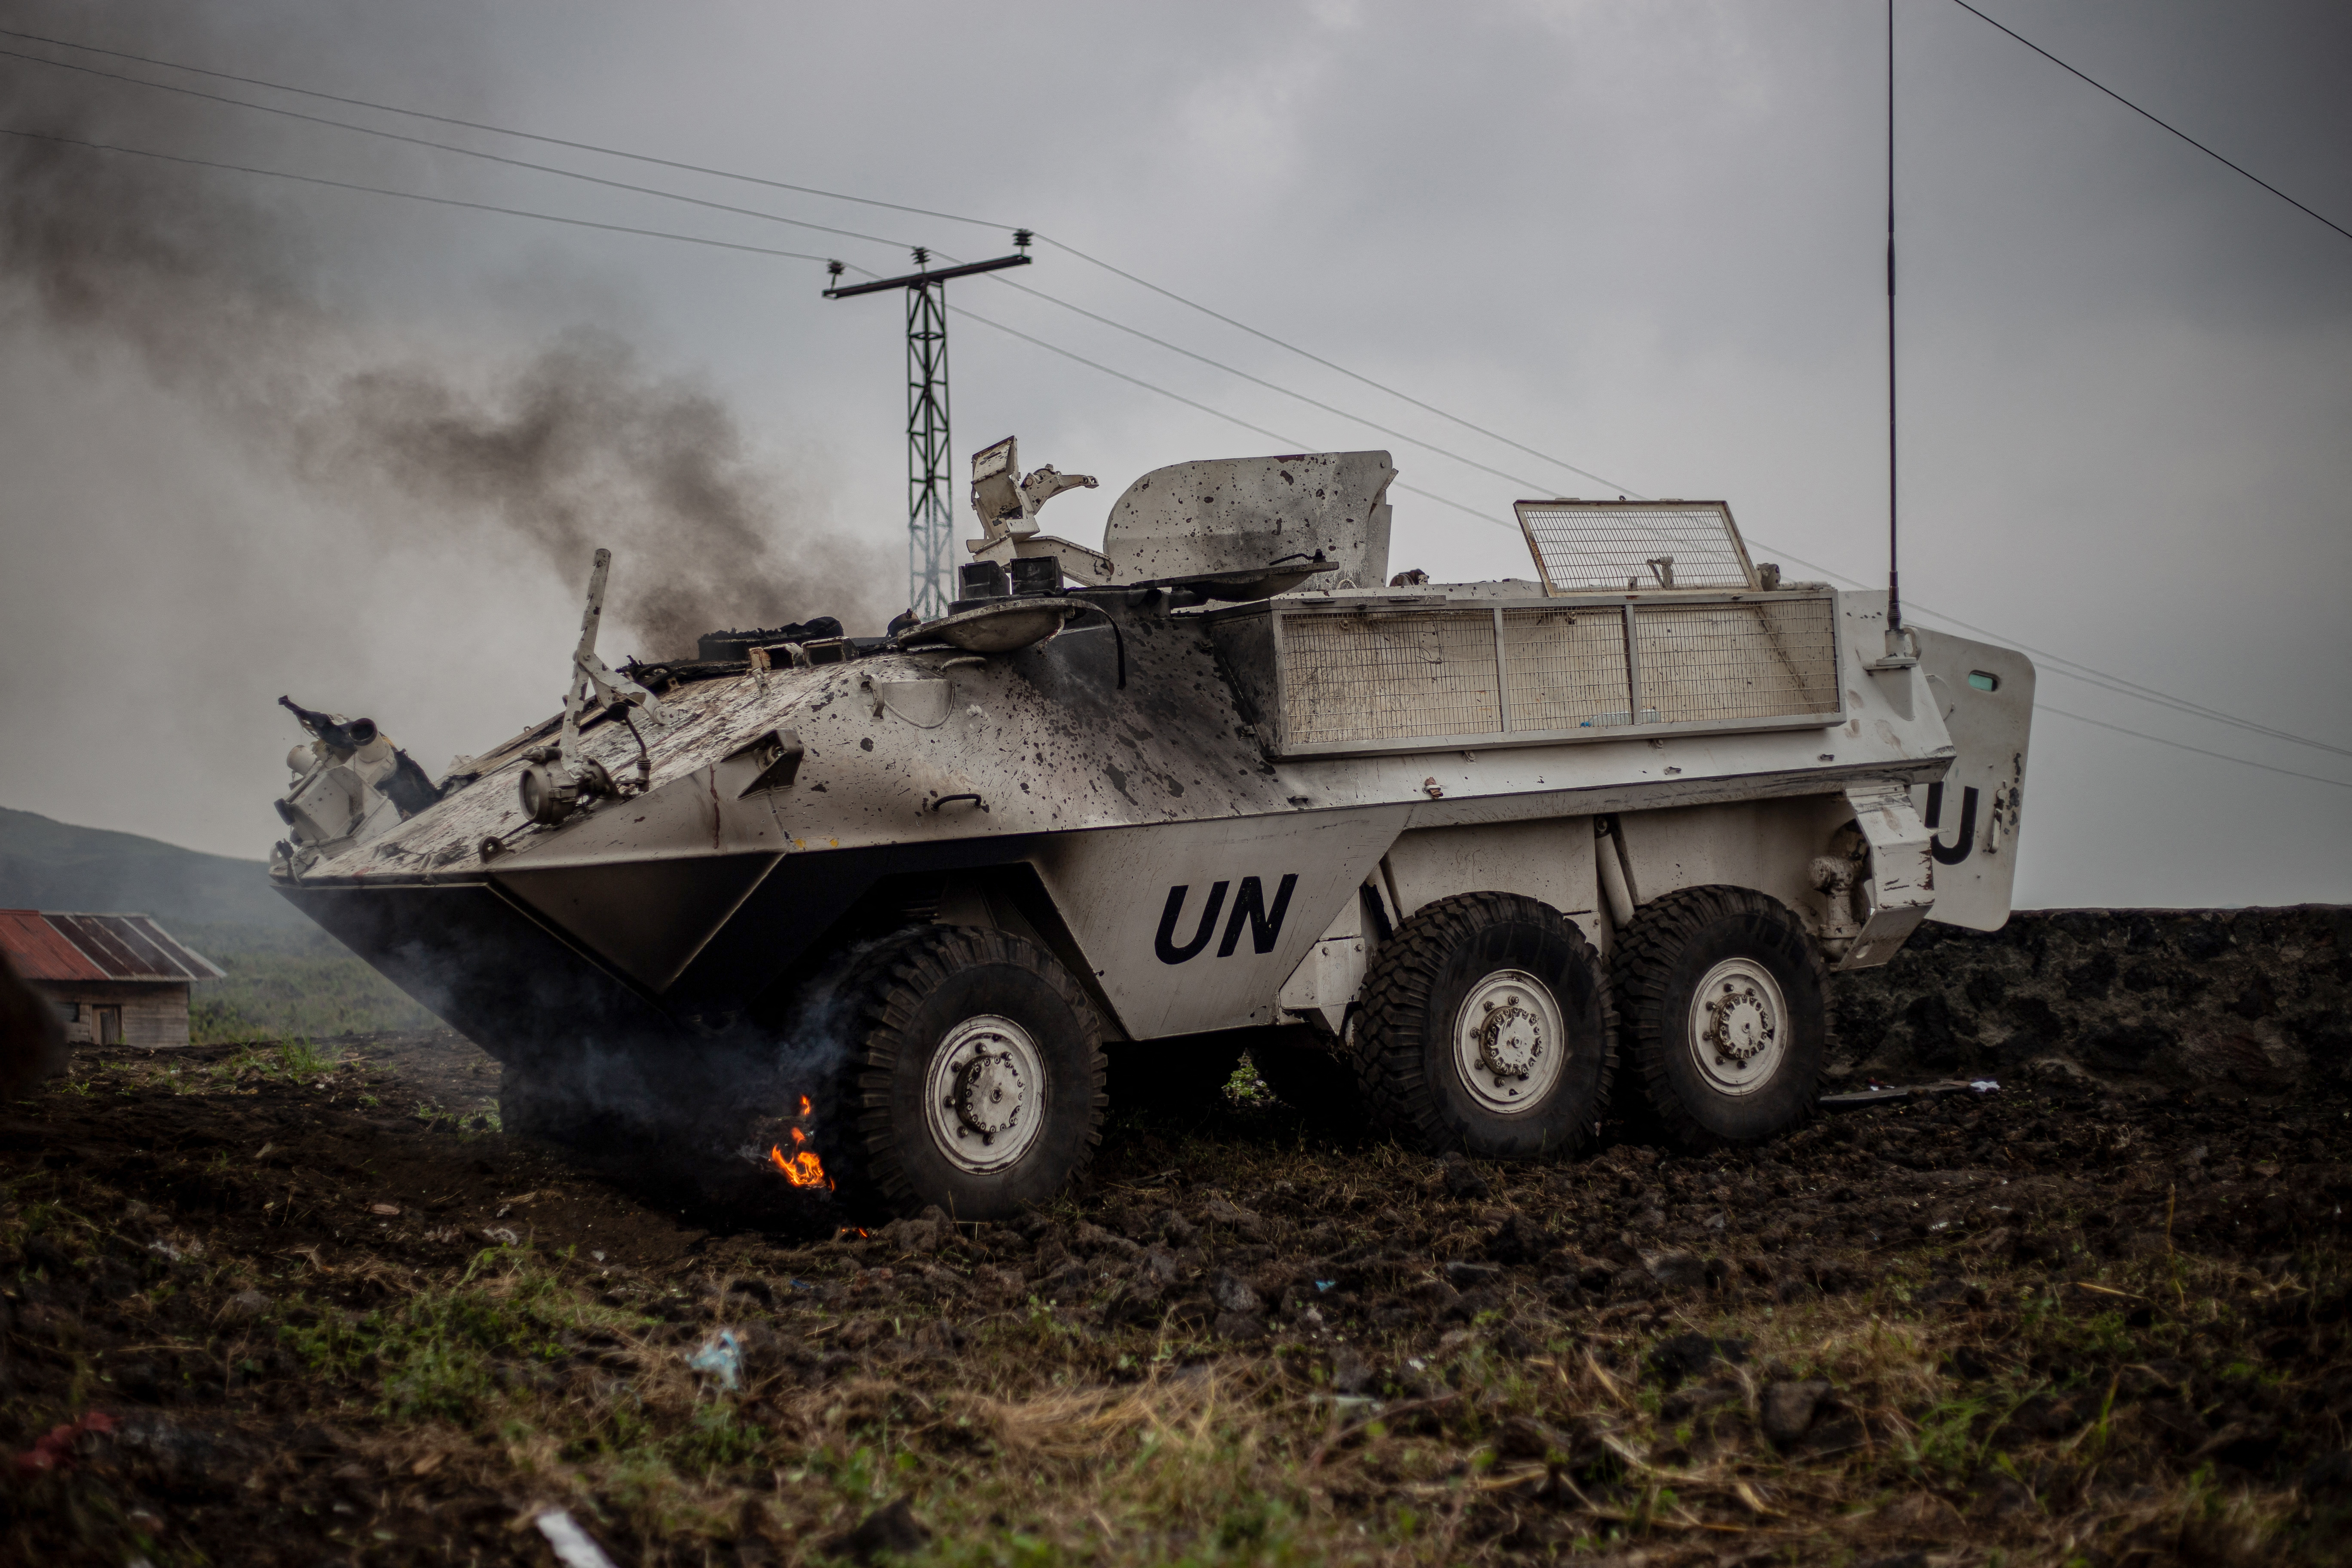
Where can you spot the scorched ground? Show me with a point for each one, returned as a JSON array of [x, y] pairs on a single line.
[[293, 1311]]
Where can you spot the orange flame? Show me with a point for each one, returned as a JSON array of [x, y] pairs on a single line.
[[804, 1105], [803, 1169]]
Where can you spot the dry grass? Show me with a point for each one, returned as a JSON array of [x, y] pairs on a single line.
[[2000, 1360]]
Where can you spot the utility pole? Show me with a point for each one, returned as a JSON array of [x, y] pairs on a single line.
[[931, 496]]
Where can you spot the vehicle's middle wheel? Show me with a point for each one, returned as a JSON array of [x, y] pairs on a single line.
[[1486, 1029], [974, 1077], [1726, 1014]]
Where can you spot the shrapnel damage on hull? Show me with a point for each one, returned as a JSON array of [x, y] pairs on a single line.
[[1450, 849]]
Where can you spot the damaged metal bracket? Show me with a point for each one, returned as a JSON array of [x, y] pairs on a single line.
[[778, 754], [1901, 887], [556, 785]]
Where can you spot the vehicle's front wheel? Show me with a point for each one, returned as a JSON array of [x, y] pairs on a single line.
[[1726, 1010], [1486, 1028], [974, 1073]]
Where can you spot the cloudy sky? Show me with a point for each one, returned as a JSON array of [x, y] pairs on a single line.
[[259, 436]]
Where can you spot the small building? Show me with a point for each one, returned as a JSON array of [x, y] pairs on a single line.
[[116, 980]]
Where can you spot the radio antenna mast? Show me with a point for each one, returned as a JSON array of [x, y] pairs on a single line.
[[1894, 576]]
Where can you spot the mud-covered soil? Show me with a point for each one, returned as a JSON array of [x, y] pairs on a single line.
[[259, 1308]]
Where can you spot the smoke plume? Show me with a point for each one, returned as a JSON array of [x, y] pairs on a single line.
[[566, 445]]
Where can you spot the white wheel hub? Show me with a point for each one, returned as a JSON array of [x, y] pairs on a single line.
[[1510, 1042], [1738, 1027], [984, 1095]]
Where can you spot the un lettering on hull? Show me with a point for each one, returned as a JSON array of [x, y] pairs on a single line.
[[1985, 696], [1192, 926]]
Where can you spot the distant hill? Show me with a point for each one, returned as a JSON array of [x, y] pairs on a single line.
[[47, 865]]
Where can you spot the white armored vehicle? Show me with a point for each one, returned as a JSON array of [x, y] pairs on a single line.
[[880, 912]]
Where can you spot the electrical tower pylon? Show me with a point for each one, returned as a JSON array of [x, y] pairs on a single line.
[[931, 495]]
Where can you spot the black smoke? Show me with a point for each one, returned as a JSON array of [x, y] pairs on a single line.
[[220, 287]]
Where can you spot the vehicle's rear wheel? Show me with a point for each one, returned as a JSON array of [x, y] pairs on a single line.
[[974, 1074], [1486, 1028], [1726, 1010]]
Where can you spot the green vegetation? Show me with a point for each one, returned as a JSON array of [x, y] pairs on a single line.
[[293, 1060], [447, 1352], [298, 981]]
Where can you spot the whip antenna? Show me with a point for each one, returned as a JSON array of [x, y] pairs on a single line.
[[1893, 577]]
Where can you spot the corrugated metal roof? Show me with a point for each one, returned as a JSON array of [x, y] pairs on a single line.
[[53, 946], [38, 952]]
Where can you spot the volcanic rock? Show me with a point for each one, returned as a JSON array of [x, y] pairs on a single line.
[[1519, 1239], [1351, 1372], [1233, 1294], [893, 1528], [1461, 1182], [1687, 1355], [1678, 1271], [1787, 1409]]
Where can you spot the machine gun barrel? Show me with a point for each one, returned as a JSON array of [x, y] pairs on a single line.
[[348, 737]]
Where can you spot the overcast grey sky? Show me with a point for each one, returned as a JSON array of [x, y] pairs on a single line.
[[261, 436]]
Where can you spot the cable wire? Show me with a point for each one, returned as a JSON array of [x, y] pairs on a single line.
[[1484, 517], [2184, 746], [1342, 370], [2152, 120], [412, 195], [494, 129], [1270, 387], [1289, 441], [452, 147], [730, 175], [2088, 674]]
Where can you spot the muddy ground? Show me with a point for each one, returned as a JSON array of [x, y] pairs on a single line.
[[258, 1306]]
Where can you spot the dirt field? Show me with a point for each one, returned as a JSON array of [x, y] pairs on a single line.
[[262, 1308]]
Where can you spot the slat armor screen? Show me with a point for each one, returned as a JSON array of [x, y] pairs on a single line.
[[1566, 667], [1389, 677], [1702, 662], [1633, 545]]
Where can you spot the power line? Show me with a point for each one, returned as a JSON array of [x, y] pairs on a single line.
[[494, 129], [2092, 676], [2152, 120], [1484, 517], [1343, 370], [1275, 436], [411, 196], [2088, 674], [452, 147], [2184, 746], [731, 175], [1271, 386], [723, 206], [2073, 670]]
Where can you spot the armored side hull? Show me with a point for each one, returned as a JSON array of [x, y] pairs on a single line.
[[1136, 797]]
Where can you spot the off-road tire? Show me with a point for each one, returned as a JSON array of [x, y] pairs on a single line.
[[1662, 955], [902, 999], [1419, 981]]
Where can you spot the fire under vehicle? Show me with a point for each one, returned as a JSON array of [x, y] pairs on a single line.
[[1446, 857]]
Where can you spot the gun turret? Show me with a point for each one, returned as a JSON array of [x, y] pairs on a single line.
[[411, 789], [347, 737]]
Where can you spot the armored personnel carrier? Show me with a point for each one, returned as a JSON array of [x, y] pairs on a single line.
[[878, 913]]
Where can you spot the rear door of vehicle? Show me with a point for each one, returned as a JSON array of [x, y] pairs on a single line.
[[1986, 697]]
